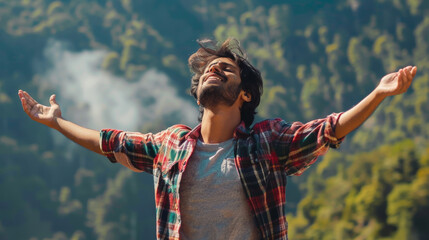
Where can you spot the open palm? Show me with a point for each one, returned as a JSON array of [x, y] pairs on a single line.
[[397, 82], [38, 112]]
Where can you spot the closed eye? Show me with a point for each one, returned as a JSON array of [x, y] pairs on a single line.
[[225, 66]]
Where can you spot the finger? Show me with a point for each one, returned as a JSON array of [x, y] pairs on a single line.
[[400, 73], [401, 79], [29, 99], [409, 80], [408, 69], [414, 71], [53, 100], [412, 74], [407, 74], [24, 105], [21, 94], [29, 110]]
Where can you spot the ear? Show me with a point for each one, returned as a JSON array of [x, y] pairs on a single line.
[[198, 102], [246, 96]]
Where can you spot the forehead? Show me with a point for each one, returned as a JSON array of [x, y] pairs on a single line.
[[227, 61]]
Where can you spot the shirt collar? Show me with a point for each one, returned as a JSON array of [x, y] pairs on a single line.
[[242, 131], [194, 133], [239, 132]]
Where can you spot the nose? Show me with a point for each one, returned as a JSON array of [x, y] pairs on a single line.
[[215, 67]]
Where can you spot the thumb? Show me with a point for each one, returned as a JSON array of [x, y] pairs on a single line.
[[52, 100]]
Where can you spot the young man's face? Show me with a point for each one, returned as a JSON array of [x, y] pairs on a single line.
[[220, 83]]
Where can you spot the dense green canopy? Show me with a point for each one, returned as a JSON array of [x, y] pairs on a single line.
[[316, 57]]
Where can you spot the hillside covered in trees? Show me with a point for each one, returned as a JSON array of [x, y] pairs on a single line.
[[124, 63]]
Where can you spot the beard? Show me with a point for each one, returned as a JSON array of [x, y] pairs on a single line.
[[211, 96]]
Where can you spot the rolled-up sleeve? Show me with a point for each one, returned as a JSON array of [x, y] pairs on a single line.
[[298, 145], [134, 150]]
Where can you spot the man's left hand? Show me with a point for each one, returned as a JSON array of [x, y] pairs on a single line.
[[397, 82]]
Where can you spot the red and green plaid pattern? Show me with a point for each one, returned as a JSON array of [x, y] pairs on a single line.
[[264, 155]]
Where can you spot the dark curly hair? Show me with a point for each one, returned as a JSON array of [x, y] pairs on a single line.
[[251, 80]]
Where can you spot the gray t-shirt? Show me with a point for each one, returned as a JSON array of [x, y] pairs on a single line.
[[213, 204]]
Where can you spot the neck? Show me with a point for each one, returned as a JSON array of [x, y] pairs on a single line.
[[218, 123]]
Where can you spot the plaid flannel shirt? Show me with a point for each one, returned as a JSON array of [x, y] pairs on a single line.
[[264, 155]]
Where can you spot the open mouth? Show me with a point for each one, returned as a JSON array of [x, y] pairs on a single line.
[[215, 77]]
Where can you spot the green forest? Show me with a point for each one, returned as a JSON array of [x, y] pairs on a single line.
[[102, 57]]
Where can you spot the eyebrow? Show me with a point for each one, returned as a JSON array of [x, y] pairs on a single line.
[[222, 63]]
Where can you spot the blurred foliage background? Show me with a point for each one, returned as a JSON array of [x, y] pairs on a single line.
[[316, 57]]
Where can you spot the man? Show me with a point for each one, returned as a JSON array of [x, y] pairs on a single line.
[[223, 179]]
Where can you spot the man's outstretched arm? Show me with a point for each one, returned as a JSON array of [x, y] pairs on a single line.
[[391, 84], [51, 117]]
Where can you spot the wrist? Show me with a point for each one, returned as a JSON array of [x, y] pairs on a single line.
[[379, 94], [55, 124]]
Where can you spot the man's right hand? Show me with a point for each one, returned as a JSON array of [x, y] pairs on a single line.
[[51, 117], [38, 112]]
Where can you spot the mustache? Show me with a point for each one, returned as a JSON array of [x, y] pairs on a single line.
[[220, 75]]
